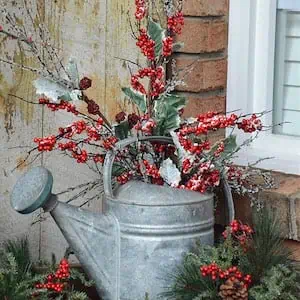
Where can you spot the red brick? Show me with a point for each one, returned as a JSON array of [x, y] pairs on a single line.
[[205, 7], [201, 36], [197, 105], [203, 75]]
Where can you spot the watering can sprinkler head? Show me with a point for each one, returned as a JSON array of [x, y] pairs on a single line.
[[33, 191]]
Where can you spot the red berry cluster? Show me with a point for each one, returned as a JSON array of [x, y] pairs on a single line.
[[220, 149], [109, 143], [215, 272], [194, 148], [186, 166], [159, 148], [206, 178], [80, 155], [63, 105], [125, 177], [135, 83], [167, 46], [63, 271], [92, 133], [141, 11], [151, 170], [99, 158], [250, 125], [176, 22], [146, 44], [145, 125], [67, 146], [99, 122], [54, 282], [239, 231], [156, 80], [46, 143], [214, 121], [79, 126], [234, 173]]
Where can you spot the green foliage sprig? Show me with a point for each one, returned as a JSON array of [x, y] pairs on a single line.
[[18, 276]]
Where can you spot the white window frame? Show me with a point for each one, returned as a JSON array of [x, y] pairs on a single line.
[[252, 30]]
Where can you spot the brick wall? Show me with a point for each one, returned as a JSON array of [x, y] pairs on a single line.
[[205, 47]]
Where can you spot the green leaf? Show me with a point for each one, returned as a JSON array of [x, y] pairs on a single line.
[[230, 144], [157, 34], [136, 97], [121, 130], [178, 102], [167, 113], [117, 169]]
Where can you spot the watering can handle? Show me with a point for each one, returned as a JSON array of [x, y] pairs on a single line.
[[110, 157]]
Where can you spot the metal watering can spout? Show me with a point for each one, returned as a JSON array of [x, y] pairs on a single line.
[[94, 237]]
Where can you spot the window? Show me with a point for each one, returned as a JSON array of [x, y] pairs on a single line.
[[287, 69], [261, 78]]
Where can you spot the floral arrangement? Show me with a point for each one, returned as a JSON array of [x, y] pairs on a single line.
[[248, 263], [190, 161]]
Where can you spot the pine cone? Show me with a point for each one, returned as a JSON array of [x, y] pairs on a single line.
[[233, 290]]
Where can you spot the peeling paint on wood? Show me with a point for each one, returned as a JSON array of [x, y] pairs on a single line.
[[97, 34]]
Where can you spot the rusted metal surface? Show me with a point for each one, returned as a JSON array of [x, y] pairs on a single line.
[[97, 35]]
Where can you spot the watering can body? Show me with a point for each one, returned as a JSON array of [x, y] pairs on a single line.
[[139, 240]]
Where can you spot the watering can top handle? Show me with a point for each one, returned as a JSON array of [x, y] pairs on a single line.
[[110, 157]]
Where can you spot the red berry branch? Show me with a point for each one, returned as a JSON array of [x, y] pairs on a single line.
[[216, 273], [58, 281]]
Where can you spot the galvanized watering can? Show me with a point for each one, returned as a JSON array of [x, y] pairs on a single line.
[[140, 238]]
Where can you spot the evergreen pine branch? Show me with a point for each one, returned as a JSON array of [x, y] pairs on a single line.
[[280, 283], [76, 274], [266, 248], [188, 283]]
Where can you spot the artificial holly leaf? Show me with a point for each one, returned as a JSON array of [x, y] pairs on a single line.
[[169, 172], [173, 100], [136, 97], [167, 113], [72, 71], [50, 89], [230, 144], [167, 120], [117, 169], [157, 34], [121, 130]]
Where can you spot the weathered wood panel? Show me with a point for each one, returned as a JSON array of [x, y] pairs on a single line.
[[96, 34]]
